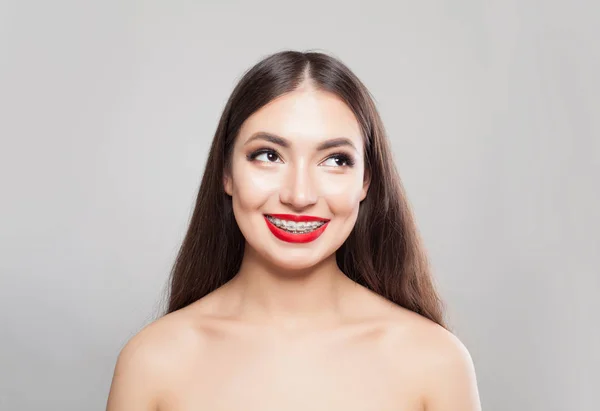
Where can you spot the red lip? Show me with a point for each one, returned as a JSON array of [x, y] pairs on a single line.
[[296, 238], [297, 218]]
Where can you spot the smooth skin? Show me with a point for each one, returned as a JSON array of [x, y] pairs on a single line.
[[290, 331]]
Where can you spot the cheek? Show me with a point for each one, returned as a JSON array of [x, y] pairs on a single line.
[[343, 194], [251, 189]]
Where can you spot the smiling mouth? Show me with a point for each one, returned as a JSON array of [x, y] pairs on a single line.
[[296, 227]]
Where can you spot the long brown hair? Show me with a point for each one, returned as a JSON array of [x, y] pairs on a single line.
[[383, 252]]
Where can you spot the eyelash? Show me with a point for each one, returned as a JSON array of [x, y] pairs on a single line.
[[345, 158]]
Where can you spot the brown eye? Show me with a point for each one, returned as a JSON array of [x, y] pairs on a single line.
[[265, 156], [339, 160]]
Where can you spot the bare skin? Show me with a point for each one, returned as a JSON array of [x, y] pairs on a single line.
[[366, 354], [290, 331]]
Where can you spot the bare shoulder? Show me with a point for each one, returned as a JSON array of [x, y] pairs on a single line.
[[151, 361], [440, 363], [449, 374], [163, 339]]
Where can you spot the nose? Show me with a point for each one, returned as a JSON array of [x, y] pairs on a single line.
[[298, 190]]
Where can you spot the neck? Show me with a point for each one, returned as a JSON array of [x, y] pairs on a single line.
[[290, 298]]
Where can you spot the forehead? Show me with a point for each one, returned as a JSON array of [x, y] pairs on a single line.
[[305, 117]]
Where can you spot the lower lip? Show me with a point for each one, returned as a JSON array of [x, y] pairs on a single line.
[[295, 238]]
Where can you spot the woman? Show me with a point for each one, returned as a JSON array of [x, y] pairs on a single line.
[[301, 283]]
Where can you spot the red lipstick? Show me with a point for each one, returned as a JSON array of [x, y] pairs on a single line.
[[296, 237], [297, 218]]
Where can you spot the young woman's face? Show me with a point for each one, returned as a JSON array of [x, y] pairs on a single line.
[[297, 178]]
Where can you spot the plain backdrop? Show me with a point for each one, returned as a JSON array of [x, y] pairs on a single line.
[[107, 110]]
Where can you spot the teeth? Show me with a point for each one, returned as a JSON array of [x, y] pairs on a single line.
[[293, 227]]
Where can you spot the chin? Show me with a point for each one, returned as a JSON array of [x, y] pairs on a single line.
[[294, 263], [294, 260]]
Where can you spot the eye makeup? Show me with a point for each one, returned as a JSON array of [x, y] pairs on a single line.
[[345, 159], [268, 151]]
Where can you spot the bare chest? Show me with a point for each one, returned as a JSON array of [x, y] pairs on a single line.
[[303, 376]]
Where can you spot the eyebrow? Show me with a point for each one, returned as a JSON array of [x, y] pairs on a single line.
[[280, 141]]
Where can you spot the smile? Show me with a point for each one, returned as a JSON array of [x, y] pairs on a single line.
[[296, 229]]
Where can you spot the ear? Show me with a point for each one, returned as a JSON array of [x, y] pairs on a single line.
[[227, 183], [366, 184]]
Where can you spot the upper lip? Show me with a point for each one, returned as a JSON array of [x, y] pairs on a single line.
[[297, 218]]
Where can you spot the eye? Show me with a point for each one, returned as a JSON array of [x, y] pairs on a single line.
[[339, 160], [265, 156]]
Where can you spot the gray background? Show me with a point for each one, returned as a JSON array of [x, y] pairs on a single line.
[[108, 108]]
